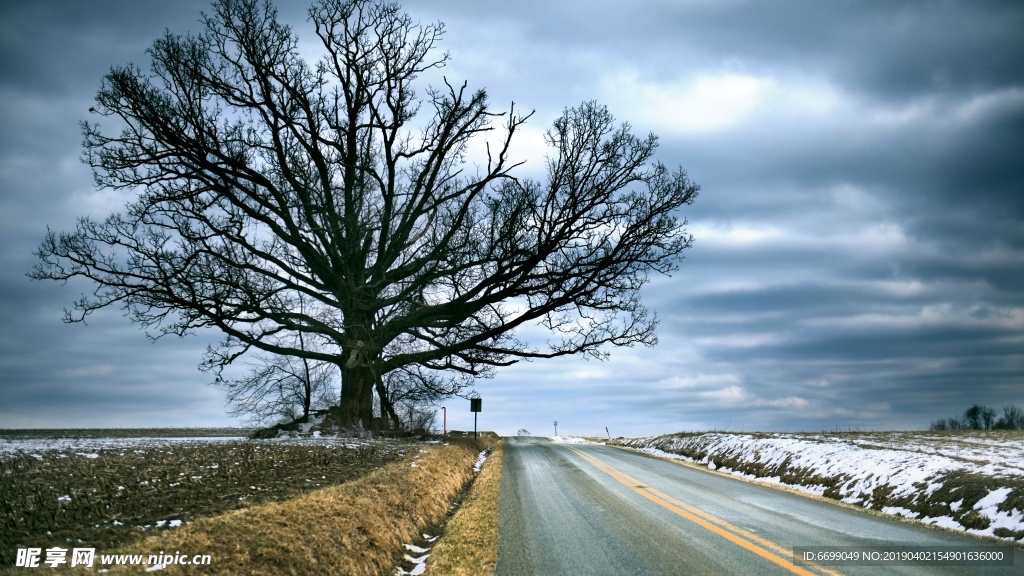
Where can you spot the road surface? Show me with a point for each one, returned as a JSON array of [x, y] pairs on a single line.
[[594, 510]]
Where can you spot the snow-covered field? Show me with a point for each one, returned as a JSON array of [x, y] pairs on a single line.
[[89, 446], [970, 481]]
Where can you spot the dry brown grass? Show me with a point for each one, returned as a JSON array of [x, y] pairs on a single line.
[[469, 546], [355, 528]]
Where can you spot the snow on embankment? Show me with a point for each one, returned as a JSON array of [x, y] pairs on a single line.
[[972, 481], [562, 439]]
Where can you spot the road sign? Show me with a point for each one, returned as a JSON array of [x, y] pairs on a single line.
[[475, 405]]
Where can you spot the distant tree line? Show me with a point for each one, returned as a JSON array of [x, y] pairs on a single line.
[[979, 417]]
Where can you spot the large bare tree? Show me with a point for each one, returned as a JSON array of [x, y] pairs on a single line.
[[264, 180]]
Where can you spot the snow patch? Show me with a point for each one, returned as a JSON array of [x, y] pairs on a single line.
[[416, 564], [480, 461], [943, 522], [994, 499], [415, 549], [564, 439], [899, 511], [855, 467]]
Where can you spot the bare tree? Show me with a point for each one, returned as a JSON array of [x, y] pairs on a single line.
[[279, 387], [947, 424], [1012, 418], [409, 395], [979, 417], [265, 178]]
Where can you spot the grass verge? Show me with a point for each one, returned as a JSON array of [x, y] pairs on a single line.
[[469, 546], [355, 528]]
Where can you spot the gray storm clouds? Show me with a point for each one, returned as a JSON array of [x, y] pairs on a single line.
[[859, 256]]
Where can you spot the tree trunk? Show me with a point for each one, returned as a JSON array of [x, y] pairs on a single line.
[[387, 409], [358, 374], [307, 384], [356, 406]]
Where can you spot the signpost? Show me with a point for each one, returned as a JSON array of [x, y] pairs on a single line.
[[556, 427], [475, 407]]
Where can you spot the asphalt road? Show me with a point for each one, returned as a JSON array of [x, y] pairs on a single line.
[[594, 510]]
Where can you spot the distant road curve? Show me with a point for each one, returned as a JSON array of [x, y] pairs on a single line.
[[596, 510]]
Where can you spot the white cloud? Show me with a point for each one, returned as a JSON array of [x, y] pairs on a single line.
[[739, 340], [730, 394], [588, 374], [698, 381], [930, 316], [852, 198], [935, 109], [903, 287], [706, 102], [988, 104], [737, 233], [789, 402], [528, 146]]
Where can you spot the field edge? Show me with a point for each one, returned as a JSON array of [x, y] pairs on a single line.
[[354, 528]]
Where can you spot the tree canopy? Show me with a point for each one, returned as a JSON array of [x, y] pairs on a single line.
[[279, 196]]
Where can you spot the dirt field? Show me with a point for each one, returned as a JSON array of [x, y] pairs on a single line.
[[104, 489]]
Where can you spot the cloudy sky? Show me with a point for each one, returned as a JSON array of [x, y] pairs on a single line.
[[859, 254]]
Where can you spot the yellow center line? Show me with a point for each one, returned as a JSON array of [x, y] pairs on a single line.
[[745, 539]]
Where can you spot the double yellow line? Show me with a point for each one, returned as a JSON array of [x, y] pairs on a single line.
[[743, 538]]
